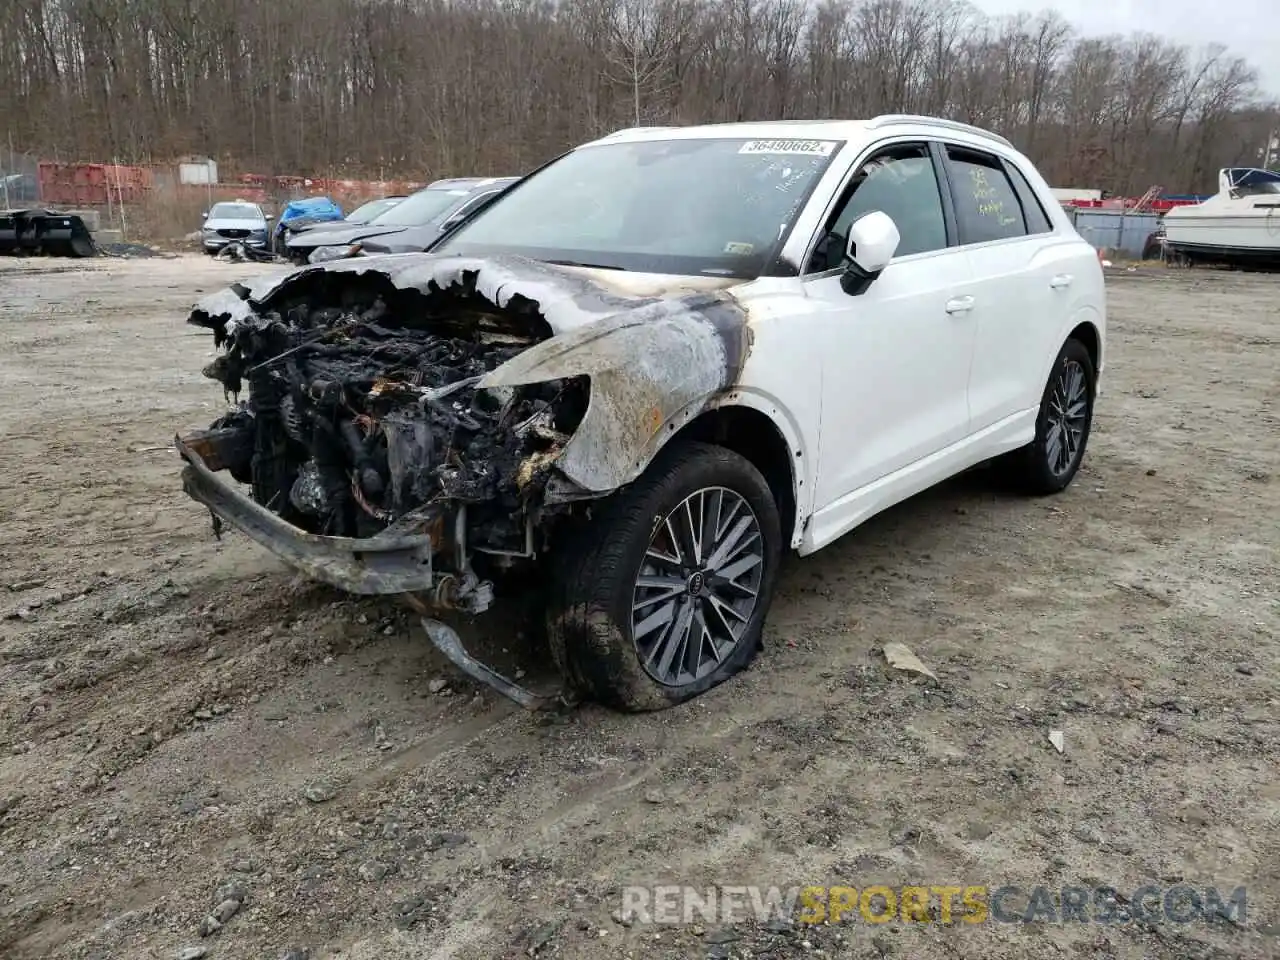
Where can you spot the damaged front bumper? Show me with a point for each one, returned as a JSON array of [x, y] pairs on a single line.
[[393, 562], [398, 560]]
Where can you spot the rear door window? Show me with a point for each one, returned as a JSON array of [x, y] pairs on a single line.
[[986, 203]]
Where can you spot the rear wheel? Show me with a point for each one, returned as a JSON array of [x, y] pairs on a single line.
[[665, 591], [1050, 462]]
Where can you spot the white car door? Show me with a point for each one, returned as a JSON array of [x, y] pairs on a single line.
[[1026, 274], [895, 357]]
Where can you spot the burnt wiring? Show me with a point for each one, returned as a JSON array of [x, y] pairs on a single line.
[[363, 410]]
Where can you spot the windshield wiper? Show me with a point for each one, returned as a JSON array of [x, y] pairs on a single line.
[[590, 266]]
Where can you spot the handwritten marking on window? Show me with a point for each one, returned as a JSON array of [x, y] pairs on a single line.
[[987, 198]]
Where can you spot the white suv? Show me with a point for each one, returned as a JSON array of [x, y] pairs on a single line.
[[781, 328]]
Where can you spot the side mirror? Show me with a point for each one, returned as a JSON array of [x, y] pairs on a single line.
[[205, 215], [873, 240]]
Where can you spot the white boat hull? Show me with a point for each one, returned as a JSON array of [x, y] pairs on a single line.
[[1243, 232]]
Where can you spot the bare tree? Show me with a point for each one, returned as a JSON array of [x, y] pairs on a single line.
[[644, 40], [422, 88]]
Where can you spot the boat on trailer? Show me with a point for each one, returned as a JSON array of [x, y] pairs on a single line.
[[1238, 226]]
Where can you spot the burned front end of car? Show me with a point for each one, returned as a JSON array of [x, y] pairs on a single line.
[[362, 429], [424, 425]]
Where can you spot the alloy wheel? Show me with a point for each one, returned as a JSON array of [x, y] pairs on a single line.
[[697, 586], [1068, 418]]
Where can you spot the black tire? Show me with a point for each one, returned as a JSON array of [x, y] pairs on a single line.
[[589, 613], [1030, 468]]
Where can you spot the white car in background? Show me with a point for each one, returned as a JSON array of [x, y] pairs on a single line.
[[738, 339], [234, 221]]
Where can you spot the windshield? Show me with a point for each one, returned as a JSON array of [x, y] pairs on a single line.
[[235, 211], [1262, 188], [661, 206], [421, 208], [1251, 182], [367, 211]]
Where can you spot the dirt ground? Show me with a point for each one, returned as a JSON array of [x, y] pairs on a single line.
[[182, 722]]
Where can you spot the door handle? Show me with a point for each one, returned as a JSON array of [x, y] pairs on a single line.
[[1060, 281], [959, 305]]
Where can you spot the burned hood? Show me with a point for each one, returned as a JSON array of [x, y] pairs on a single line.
[[655, 351], [564, 297], [340, 234]]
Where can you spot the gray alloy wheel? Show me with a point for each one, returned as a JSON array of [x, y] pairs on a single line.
[[697, 586], [1068, 416], [1049, 463]]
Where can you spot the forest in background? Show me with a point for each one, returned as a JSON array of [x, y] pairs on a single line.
[[429, 88]]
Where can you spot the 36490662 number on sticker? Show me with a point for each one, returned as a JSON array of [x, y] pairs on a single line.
[[813, 148]]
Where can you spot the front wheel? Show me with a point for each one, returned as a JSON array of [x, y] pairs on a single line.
[[662, 594], [1050, 462]]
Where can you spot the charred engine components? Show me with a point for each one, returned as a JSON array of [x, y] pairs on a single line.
[[359, 412]]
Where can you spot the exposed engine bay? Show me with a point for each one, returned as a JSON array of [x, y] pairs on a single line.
[[363, 407]]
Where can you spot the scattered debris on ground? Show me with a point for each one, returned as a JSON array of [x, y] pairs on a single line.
[[130, 250], [236, 252], [899, 657]]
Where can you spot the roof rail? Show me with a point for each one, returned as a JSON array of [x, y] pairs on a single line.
[[889, 119], [618, 133]]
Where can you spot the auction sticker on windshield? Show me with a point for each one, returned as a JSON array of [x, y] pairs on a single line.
[[812, 148]]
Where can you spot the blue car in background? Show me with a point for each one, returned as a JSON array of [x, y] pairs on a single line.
[[304, 234], [298, 214]]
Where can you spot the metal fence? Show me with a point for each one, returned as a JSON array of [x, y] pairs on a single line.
[[1115, 230], [19, 179]]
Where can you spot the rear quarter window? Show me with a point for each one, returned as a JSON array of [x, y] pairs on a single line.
[[1037, 219]]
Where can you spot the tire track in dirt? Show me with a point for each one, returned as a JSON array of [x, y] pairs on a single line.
[[1122, 613]]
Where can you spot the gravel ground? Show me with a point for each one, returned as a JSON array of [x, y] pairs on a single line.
[[187, 730]]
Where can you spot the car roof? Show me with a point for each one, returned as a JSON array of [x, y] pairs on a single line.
[[804, 130], [468, 183], [451, 182], [493, 182]]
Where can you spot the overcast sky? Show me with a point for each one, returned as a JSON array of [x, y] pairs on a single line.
[[1249, 28]]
